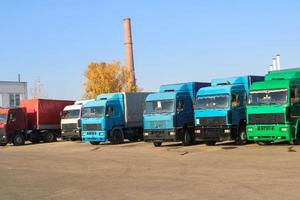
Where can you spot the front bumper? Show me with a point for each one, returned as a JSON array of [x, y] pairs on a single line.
[[94, 136], [270, 132], [216, 134], [71, 134], [170, 135]]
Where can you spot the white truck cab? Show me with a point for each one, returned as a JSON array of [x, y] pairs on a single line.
[[70, 121]]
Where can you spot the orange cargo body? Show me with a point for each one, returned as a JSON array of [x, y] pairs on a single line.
[[44, 113]]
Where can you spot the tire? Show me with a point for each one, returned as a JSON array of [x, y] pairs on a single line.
[[95, 143], [49, 137], [242, 136], [117, 137], [18, 140], [187, 138], [210, 143], [157, 144], [297, 140]]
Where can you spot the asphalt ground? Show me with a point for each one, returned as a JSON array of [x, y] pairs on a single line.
[[76, 170]]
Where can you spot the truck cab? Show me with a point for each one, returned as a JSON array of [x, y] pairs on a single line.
[[273, 109], [113, 117], [70, 121], [12, 125], [168, 115], [220, 110]]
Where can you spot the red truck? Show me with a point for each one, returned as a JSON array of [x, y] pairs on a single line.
[[35, 120]]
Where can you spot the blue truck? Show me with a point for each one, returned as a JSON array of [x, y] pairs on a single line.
[[113, 117], [220, 110], [169, 114]]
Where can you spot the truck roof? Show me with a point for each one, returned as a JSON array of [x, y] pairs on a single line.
[[293, 73], [83, 101], [270, 84], [225, 85], [246, 80]]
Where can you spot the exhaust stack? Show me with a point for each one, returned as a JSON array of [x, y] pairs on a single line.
[[278, 62], [129, 52], [274, 64]]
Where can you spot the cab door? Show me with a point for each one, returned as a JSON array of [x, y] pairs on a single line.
[[238, 106], [295, 103]]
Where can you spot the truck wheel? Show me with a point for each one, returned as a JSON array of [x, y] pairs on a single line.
[[117, 137], [210, 143], [95, 143], [49, 137], [157, 144], [297, 140], [187, 139], [242, 136], [18, 140]]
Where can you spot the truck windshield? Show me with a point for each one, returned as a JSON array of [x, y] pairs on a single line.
[[268, 97], [212, 102], [70, 114], [93, 112], [163, 106], [3, 118]]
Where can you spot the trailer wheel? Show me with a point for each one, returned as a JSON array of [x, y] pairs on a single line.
[[117, 137], [187, 138], [242, 136], [94, 143], [157, 144], [49, 137], [18, 140]]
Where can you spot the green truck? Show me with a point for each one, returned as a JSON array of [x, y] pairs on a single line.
[[273, 109]]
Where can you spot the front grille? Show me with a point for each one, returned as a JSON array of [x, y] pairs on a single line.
[[274, 118], [265, 128], [91, 127], [67, 127], [212, 121], [160, 124]]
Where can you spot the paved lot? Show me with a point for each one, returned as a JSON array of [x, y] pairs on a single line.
[[74, 170]]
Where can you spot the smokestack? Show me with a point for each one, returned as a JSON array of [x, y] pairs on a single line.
[[271, 67], [129, 50], [274, 64], [19, 78], [278, 61]]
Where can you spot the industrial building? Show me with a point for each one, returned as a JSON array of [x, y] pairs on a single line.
[[11, 92]]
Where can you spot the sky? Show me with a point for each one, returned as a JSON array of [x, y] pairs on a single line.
[[174, 40]]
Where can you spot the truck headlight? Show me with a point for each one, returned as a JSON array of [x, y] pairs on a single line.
[[284, 129], [226, 130], [250, 129], [172, 133], [198, 131], [146, 134], [101, 134]]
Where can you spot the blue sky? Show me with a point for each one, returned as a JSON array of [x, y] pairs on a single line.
[[174, 41]]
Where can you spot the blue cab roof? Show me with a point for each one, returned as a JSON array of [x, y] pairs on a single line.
[[225, 85]]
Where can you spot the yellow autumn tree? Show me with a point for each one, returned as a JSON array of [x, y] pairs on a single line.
[[107, 78]]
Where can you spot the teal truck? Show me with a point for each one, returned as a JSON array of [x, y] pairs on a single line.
[[169, 113], [273, 110], [220, 110], [113, 117]]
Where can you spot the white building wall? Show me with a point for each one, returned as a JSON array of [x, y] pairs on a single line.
[[8, 88]]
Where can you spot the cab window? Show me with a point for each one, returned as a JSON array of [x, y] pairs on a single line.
[[295, 95], [235, 100], [109, 111], [180, 105]]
